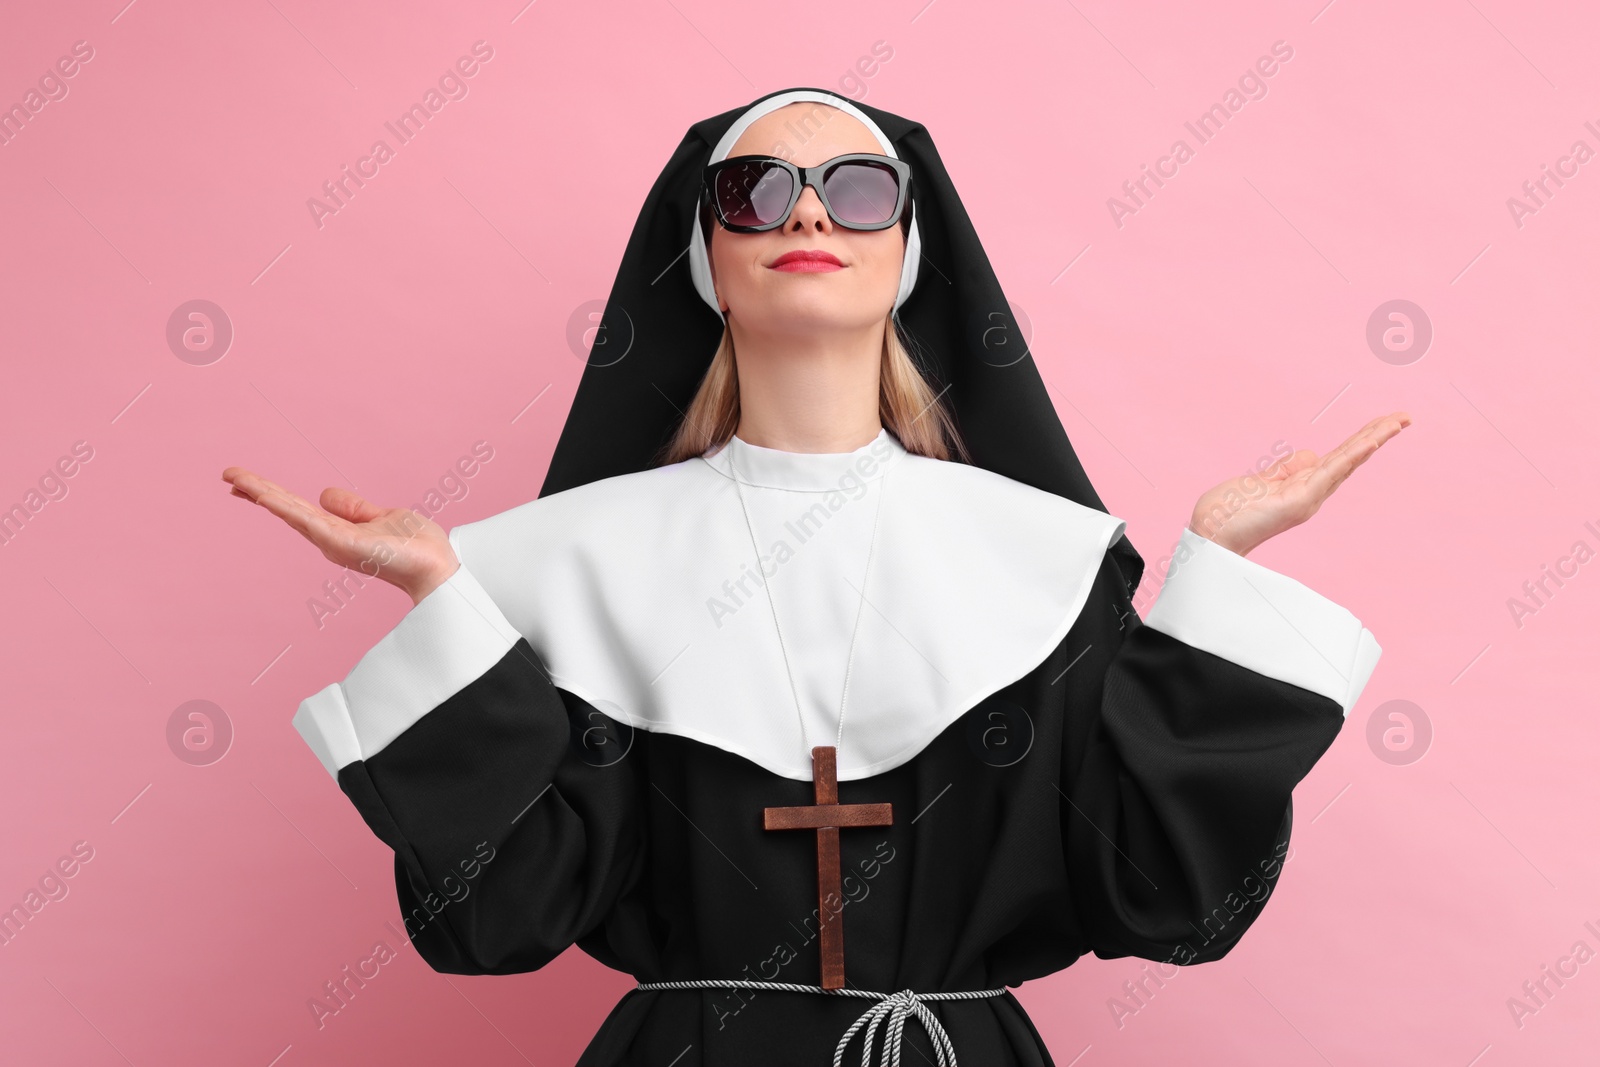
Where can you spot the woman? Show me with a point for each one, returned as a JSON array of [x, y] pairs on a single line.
[[807, 574]]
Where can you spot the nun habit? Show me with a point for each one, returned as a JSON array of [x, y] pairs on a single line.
[[574, 738]]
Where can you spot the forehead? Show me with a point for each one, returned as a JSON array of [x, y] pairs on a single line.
[[805, 134]]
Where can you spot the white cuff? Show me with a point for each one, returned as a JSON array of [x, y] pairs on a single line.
[[448, 639], [1222, 603]]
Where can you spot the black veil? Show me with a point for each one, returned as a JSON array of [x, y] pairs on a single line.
[[657, 335]]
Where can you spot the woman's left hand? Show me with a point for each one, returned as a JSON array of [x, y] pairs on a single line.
[[1243, 512]]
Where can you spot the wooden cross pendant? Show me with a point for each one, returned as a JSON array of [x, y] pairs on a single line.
[[826, 817]]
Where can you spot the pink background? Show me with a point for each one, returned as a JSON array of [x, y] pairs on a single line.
[[1228, 313]]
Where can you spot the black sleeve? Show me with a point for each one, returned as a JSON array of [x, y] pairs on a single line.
[[515, 828], [1178, 770]]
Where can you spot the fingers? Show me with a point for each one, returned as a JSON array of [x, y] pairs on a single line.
[[291, 509], [255, 486], [1336, 466], [312, 522]]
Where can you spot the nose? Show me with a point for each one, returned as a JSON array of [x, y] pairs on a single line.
[[809, 215]]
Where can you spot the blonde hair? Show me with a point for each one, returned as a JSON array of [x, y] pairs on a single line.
[[907, 406]]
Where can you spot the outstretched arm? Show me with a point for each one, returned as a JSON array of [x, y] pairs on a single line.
[[512, 840], [458, 751], [1200, 721]]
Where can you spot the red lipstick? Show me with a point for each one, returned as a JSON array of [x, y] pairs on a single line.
[[809, 260]]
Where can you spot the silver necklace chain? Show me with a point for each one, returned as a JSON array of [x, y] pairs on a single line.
[[855, 631]]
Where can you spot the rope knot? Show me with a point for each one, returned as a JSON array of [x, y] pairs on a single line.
[[897, 1007]]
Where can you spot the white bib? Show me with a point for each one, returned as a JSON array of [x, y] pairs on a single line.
[[640, 593]]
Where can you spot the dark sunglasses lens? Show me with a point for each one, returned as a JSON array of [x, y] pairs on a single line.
[[753, 194], [862, 193]]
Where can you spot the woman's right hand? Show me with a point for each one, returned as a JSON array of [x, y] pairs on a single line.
[[396, 544]]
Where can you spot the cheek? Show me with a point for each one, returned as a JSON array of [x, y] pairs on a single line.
[[731, 267], [884, 265]]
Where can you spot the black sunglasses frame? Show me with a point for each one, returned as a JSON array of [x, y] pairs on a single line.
[[800, 177]]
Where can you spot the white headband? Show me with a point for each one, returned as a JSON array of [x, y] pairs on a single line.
[[699, 260]]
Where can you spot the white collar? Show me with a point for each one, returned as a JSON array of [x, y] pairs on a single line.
[[774, 468], [976, 580]]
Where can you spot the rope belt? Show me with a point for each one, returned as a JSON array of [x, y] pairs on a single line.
[[897, 1007]]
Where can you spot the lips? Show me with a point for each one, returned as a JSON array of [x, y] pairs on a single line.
[[807, 260]]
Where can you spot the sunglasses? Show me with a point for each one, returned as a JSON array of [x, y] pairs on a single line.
[[860, 191]]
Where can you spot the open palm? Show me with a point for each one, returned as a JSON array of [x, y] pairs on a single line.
[[395, 544], [1242, 512]]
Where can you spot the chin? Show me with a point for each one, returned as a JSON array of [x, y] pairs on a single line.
[[787, 309], [826, 319]]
